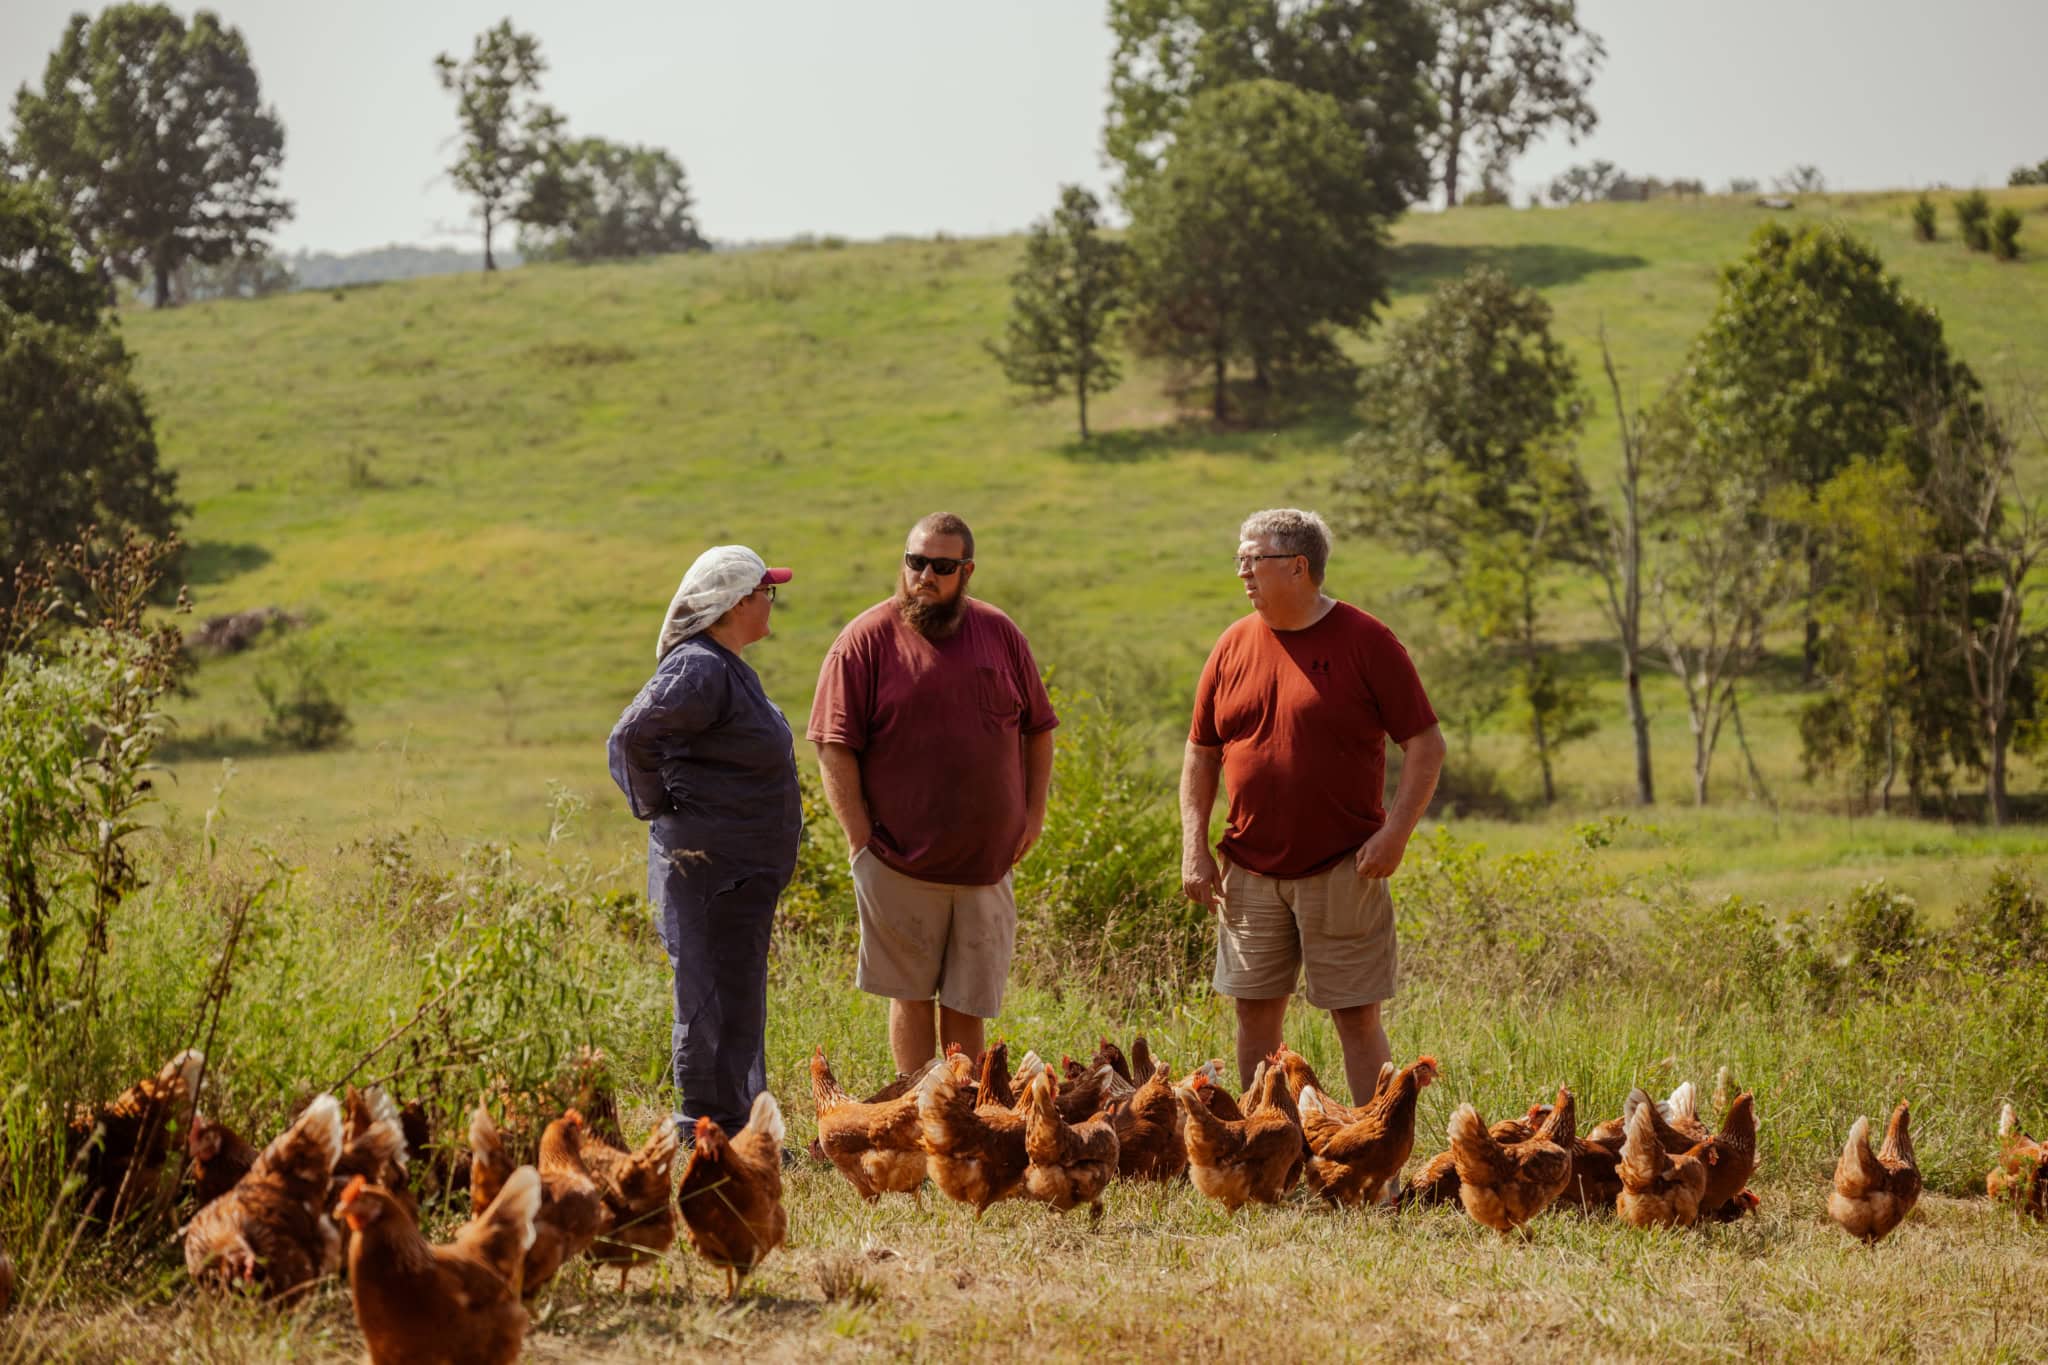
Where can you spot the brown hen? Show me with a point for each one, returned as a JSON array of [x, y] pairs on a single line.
[[1875, 1191], [219, 1157], [731, 1192], [1734, 1150], [1069, 1163], [122, 1145], [572, 1211], [1501, 1185], [2016, 1177], [638, 1188], [975, 1156], [1256, 1159], [459, 1304], [1658, 1189], [874, 1145], [1150, 1131], [272, 1228], [1354, 1153]]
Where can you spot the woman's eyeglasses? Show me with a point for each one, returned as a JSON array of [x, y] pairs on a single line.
[[768, 588], [942, 566]]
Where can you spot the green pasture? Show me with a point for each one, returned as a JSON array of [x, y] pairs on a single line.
[[481, 490]]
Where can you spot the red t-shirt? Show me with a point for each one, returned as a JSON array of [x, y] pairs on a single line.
[[1303, 717], [939, 726]]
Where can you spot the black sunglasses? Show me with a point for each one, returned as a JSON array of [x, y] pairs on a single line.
[[941, 565]]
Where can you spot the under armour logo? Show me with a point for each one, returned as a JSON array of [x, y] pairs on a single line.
[[1321, 666]]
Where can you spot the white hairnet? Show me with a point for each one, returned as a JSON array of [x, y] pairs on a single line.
[[721, 576]]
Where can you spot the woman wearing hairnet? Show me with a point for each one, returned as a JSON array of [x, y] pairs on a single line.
[[706, 759]]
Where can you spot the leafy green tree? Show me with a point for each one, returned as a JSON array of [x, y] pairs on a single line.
[[1371, 56], [2029, 175], [1463, 456], [1874, 528], [155, 139], [599, 200], [1585, 184], [1065, 299], [1926, 222], [1506, 73], [507, 131], [2005, 234], [1813, 357], [1973, 220], [1256, 238], [76, 446]]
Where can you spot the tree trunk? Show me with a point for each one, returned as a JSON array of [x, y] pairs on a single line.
[[1891, 761], [1454, 139], [1639, 722], [1811, 658], [1995, 805], [1700, 761], [1217, 407], [1081, 394], [162, 271], [490, 225]]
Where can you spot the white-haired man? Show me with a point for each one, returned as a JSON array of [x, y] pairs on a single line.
[[1294, 709]]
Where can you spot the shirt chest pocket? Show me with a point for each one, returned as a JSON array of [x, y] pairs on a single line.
[[1000, 703]]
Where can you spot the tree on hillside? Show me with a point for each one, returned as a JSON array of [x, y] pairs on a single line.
[[1371, 56], [1877, 532], [1717, 585], [1801, 179], [1972, 483], [507, 131], [597, 200], [1064, 300], [1585, 184], [1506, 73], [1611, 537], [76, 446], [1257, 237], [1814, 356], [1468, 417], [155, 140]]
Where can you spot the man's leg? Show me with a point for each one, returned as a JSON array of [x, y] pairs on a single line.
[[1259, 1024], [964, 1029], [1365, 1047], [913, 1036]]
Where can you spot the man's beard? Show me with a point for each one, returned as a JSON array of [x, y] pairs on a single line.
[[933, 620]]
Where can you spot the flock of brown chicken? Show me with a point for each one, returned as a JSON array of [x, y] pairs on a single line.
[[337, 1189]]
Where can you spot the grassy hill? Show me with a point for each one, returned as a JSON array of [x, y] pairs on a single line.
[[481, 490]]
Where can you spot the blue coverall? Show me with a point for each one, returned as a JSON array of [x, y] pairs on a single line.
[[707, 760]]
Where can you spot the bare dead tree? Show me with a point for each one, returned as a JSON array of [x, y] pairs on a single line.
[[1618, 559], [1716, 595]]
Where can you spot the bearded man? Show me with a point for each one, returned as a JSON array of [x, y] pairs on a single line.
[[934, 736]]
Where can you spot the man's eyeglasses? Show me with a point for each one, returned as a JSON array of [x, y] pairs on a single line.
[[942, 566], [1246, 561]]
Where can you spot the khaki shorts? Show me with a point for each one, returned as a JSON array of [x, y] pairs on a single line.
[[920, 939], [1336, 928]]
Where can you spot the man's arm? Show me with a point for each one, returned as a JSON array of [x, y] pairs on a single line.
[[1201, 769], [840, 767], [1422, 759], [1037, 782]]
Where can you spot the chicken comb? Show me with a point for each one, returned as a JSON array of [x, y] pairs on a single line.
[[706, 1126], [573, 1116], [955, 1050], [353, 1189], [1200, 1081]]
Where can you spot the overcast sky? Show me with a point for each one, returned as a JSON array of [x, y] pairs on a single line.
[[966, 115]]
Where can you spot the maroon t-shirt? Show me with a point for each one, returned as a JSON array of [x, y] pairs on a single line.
[[939, 726], [1303, 717]]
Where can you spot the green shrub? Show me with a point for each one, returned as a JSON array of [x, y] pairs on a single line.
[[1100, 893], [1880, 928], [304, 695], [1973, 220], [2005, 234], [2010, 924], [1925, 220]]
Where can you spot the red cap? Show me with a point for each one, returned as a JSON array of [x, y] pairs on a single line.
[[777, 576]]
